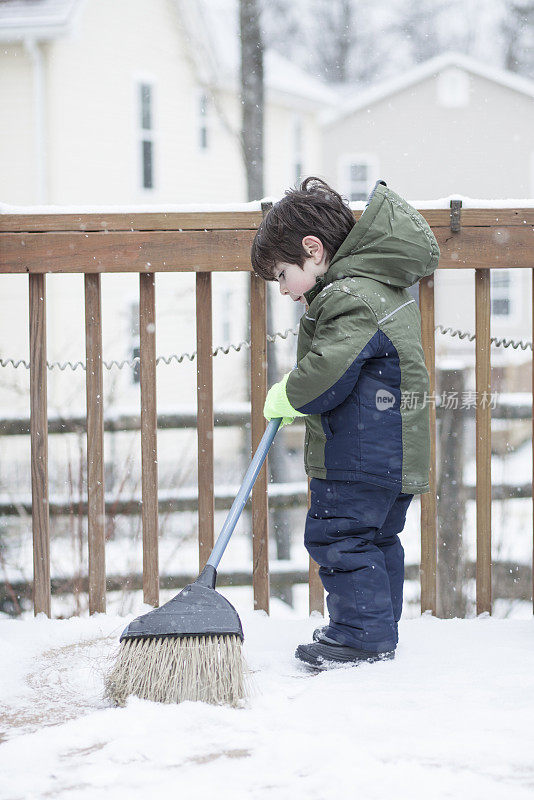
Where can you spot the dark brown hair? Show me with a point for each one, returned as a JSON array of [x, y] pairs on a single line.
[[313, 209]]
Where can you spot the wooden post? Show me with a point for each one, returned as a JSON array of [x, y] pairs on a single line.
[[451, 597], [204, 417], [258, 390], [149, 444], [428, 500], [316, 588], [95, 445], [483, 439], [39, 445]]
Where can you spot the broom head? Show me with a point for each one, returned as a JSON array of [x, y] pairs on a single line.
[[189, 649]]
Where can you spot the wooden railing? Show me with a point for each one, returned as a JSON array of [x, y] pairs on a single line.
[[146, 243]]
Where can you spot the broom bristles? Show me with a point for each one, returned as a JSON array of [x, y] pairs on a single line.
[[172, 669]]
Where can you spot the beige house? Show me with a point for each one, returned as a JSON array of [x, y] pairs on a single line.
[[133, 102], [129, 103]]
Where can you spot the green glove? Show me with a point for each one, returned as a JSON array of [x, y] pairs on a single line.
[[277, 404]]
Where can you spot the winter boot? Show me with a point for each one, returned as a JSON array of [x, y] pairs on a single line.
[[322, 655]]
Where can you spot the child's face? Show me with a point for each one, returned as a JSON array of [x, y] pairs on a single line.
[[294, 280]]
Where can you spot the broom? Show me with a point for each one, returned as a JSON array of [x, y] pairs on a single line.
[[191, 647]]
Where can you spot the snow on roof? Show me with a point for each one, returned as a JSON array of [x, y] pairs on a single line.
[[212, 29], [40, 18], [364, 98], [286, 77]]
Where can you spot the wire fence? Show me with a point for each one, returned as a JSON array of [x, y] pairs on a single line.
[[225, 349]]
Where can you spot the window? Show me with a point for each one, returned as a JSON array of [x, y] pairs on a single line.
[[203, 109], [358, 174], [359, 181], [148, 181], [136, 372], [298, 148], [146, 127], [146, 106], [501, 299], [134, 341], [226, 316]]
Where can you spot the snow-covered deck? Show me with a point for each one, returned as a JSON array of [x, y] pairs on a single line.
[[451, 717]]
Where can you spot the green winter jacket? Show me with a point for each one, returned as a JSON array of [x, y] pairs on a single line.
[[360, 373]]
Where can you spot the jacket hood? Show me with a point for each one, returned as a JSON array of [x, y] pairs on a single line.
[[391, 242]]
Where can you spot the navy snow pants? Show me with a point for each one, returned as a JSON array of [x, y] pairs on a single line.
[[352, 532]]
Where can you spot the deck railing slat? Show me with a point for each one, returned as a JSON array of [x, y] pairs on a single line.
[[428, 500], [230, 220], [258, 389], [483, 439], [226, 250], [39, 445], [206, 501], [95, 444], [149, 444], [315, 586]]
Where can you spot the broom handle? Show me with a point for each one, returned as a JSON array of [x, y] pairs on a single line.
[[243, 494]]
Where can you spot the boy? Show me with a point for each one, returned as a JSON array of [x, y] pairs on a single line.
[[359, 347]]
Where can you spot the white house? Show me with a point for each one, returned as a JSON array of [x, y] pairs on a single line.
[[449, 126]]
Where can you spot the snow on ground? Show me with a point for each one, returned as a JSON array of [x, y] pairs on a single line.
[[451, 717]]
